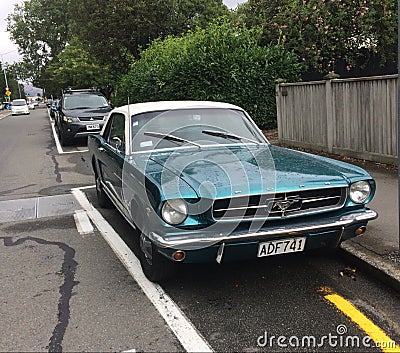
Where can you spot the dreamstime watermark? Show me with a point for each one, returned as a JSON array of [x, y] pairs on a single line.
[[340, 339]]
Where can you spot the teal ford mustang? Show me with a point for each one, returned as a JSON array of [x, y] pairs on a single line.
[[201, 183]]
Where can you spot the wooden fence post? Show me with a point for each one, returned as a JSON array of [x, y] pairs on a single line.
[[278, 111], [329, 115]]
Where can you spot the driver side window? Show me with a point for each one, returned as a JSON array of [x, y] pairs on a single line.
[[115, 132]]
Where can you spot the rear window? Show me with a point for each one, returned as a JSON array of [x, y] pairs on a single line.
[[18, 102]]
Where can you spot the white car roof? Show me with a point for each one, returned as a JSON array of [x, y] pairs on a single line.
[[138, 108], [19, 100]]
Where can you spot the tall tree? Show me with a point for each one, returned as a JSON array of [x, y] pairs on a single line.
[[113, 31], [75, 67], [110, 34], [40, 28]]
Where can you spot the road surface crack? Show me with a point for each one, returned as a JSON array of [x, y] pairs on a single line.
[[68, 270]]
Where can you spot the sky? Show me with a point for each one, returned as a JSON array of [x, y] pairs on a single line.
[[9, 51]]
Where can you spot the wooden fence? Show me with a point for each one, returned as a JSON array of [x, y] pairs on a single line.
[[353, 117]]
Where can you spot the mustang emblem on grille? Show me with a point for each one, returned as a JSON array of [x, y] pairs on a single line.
[[284, 204]]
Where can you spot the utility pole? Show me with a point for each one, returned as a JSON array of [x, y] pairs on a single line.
[[7, 93], [4, 70], [3, 65], [5, 75]]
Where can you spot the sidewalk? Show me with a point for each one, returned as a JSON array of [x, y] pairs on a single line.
[[378, 248]]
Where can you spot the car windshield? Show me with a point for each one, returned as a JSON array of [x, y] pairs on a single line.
[[85, 101], [19, 102], [201, 126]]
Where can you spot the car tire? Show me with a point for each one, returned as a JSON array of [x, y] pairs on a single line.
[[63, 140], [102, 198], [158, 268]]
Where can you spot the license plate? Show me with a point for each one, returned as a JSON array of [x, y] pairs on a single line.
[[93, 127], [283, 246]]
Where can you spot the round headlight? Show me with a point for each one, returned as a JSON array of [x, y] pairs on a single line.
[[360, 191], [174, 211]]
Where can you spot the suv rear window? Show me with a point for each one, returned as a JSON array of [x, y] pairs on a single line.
[[84, 101], [19, 102]]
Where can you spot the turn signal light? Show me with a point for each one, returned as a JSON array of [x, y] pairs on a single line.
[[178, 255], [360, 230]]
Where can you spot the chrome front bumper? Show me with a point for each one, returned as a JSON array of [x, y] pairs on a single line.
[[203, 238]]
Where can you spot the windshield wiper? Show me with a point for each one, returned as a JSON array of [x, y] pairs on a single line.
[[228, 135], [170, 138]]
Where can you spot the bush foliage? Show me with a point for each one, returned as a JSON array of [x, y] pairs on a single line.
[[221, 63], [325, 32]]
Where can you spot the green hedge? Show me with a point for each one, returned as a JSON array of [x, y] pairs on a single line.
[[221, 62]]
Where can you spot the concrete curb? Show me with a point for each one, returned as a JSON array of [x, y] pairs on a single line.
[[381, 268]]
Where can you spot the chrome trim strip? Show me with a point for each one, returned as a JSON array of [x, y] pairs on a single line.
[[196, 239], [239, 208], [320, 199]]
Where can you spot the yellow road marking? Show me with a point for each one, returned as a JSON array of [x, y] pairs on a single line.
[[383, 341]]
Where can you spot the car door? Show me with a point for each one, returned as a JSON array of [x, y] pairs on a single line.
[[112, 156]]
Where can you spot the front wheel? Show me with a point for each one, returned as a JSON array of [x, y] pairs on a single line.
[[63, 140], [154, 265]]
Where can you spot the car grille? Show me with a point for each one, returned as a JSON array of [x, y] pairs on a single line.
[[91, 118], [280, 205]]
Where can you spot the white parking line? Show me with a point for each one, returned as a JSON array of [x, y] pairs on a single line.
[[82, 222], [57, 140], [58, 144], [187, 334], [4, 116]]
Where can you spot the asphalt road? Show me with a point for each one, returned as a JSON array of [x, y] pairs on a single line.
[[64, 290]]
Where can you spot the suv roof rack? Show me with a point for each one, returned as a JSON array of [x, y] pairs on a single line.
[[70, 90]]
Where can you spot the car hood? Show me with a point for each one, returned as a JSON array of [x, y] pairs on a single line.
[[87, 112], [222, 171]]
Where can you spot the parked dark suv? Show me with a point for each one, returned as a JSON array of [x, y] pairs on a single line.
[[81, 112]]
